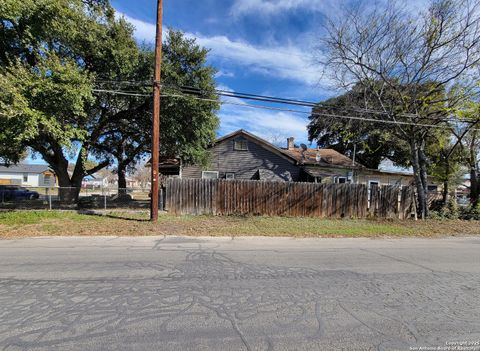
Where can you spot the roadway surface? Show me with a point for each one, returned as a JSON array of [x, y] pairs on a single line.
[[179, 293]]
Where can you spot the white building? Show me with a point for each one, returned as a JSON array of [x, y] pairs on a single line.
[[27, 175], [95, 181]]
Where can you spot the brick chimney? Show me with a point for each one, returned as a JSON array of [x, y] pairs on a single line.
[[290, 143]]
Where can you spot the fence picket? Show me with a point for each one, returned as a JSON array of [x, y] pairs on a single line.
[[246, 197]]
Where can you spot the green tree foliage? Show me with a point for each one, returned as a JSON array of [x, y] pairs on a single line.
[[446, 160], [408, 62], [469, 142], [51, 51], [373, 142], [54, 57], [187, 125]]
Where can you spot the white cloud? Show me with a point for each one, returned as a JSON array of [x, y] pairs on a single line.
[[234, 100], [144, 31], [329, 8], [281, 62], [224, 73], [270, 7], [224, 87], [270, 125], [285, 62]]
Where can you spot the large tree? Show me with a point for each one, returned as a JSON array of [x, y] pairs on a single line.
[[188, 124], [51, 52], [408, 62], [58, 58], [371, 142], [469, 142]]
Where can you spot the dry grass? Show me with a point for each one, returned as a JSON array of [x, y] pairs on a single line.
[[50, 223]]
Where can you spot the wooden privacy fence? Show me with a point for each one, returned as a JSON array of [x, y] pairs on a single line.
[[251, 197]]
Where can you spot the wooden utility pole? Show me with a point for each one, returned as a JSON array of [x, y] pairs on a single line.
[[156, 115]]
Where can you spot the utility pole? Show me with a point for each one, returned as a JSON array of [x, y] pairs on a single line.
[[156, 115]]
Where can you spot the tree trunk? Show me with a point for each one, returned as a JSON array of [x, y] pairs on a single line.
[[474, 186], [69, 189], [446, 184], [474, 176], [122, 179], [423, 176], [445, 194], [419, 182]]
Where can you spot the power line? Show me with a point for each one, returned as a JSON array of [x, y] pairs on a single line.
[[366, 119], [118, 92], [266, 98], [305, 103], [315, 113]]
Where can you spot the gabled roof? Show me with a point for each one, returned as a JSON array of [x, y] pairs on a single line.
[[258, 140], [328, 158], [24, 168]]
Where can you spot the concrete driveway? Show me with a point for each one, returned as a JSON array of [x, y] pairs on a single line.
[[185, 293]]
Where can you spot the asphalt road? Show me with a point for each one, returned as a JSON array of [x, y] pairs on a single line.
[[177, 293]]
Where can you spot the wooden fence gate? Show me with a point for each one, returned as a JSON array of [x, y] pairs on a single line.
[[252, 197]]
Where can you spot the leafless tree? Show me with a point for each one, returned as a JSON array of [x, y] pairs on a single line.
[[409, 63], [142, 175], [470, 144]]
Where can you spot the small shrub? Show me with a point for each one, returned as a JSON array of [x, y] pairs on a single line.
[[452, 208], [448, 211], [436, 214], [471, 213]]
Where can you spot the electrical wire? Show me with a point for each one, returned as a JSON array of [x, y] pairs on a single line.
[[267, 98], [117, 92], [288, 101], [373, 120]]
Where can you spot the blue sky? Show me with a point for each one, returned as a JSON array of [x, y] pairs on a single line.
[[257, 46], [268, 47]]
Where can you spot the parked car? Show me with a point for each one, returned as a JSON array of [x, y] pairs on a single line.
[[12, 193]]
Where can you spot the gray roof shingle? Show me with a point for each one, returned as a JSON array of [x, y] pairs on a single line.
[[24, 168]]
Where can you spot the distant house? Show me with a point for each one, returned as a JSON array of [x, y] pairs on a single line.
[[95, 181], [243, 155], [103, 181], [27, 175], [322, 165]]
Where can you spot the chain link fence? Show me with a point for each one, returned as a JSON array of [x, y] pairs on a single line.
[[52, 198]]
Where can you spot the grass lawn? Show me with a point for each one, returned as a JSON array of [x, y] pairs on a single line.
[[46, 223]]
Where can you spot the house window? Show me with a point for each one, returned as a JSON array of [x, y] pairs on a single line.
[[240, 145], [25, 177], [372, 183], [341, 180], [229, 175], [432, 188], [209, 175], [47, 179]]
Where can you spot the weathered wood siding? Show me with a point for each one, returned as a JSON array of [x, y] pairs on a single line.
[[241, 197], [245, 163]]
